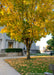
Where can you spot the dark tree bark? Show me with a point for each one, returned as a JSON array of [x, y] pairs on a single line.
[[28, 53], [28, 45]]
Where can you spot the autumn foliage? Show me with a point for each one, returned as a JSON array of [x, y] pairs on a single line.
[[27, 20]]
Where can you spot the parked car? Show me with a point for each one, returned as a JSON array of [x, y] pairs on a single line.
[[49, 52], [52, 53]]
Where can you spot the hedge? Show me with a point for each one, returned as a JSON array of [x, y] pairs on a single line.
[[13, 50]]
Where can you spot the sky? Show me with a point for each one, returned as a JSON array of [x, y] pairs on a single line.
[[43, 41]]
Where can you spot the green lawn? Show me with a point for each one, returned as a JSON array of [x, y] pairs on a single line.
[[40, 54], [37, 64]]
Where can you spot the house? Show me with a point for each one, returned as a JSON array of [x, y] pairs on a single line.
[[6, 42]]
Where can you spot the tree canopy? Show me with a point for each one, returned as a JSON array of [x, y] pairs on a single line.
[[27, 20], [51, 44]]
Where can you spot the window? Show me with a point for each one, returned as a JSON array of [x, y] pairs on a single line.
[[10, 44]]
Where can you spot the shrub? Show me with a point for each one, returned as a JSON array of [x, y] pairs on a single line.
[[13, 50]]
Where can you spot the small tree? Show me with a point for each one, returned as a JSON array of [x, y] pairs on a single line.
[[27, 20], [51, 44]]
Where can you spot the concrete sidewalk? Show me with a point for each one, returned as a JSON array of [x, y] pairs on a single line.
[[6, 69]]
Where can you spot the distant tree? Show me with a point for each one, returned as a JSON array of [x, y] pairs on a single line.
[[50, 44], [48, 47]]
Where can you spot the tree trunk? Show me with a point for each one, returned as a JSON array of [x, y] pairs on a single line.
[[28, 45], [28, 53]]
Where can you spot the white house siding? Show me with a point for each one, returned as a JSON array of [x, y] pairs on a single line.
[[0, 44], [33, 46], [0, 36], [21, 45], [6, 44], [14, 44], [3, 41]]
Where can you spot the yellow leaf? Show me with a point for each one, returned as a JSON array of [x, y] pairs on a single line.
[[8, 10], [2, 12], [46, 21]]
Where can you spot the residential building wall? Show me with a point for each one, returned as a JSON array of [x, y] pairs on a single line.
[[5, 42]]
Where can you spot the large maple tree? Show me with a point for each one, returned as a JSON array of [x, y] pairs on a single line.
[[27, 20]]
